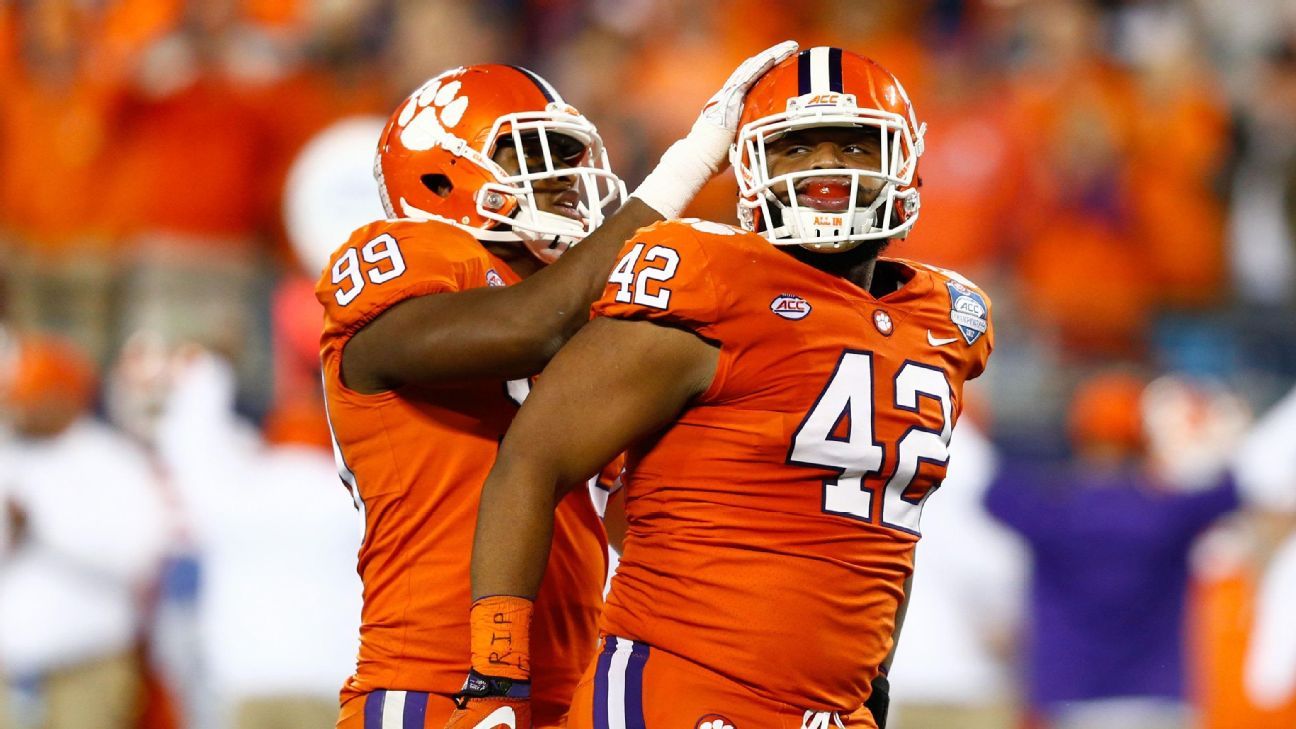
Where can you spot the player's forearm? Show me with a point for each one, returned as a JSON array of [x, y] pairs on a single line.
[[514, 332], [578, 277], [561, 294], [514, 529]]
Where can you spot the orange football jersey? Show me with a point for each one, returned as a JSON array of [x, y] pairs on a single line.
[[773, 525], [415, 460]]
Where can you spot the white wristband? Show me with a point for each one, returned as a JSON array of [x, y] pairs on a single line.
[[684, 168]]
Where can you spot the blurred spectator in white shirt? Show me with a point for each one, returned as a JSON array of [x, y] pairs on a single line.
[[1266, 471], [279, 599], [86, 530], [953, 666]]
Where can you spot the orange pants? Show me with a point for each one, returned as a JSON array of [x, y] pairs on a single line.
[[634, 686], [396, 709]]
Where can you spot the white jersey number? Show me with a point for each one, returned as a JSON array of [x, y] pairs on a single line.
[[386, 263], [838, 433], [635, 289]]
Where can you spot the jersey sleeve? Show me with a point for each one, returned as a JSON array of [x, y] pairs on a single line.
[[971, 311], [663, 274], [386, 263], [981, 354]]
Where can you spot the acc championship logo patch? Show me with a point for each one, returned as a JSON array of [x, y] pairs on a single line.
[[493, 278], [714, 721], [968, 311], [790, 306]]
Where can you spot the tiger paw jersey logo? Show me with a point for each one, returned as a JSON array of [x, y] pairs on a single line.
[[883, 323], [713, 721], [431, 113]]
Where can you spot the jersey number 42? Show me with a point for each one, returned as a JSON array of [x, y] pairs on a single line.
[[839, 433]]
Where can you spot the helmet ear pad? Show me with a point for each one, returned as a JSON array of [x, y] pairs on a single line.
[[430, 187], [437, 183], [483, 192]]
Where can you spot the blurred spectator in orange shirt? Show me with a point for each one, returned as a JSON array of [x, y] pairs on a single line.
[[1244, 647], [1180, 137], [339, 70], [1082, 281], [1222, 619], [57, 132], [970, 168], [187, 191], [890, 32], [1083, 272]]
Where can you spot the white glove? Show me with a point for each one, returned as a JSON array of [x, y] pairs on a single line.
[[688, 164]]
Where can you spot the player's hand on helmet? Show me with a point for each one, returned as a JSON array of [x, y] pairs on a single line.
[[725, 107], [689, 163], [491, 702]]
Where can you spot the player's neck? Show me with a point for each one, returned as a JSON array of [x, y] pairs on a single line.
[[516, 255], [856, 265]]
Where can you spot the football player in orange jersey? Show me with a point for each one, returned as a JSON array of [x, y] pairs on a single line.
[[787, 410], [434, 317]]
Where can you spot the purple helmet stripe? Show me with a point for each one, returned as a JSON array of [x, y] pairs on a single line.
[[835, 69], [803, 72]]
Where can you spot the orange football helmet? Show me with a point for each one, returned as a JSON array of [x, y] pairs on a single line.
[[828, 87], [435, 158]]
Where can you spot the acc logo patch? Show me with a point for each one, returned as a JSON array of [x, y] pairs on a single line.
[[790, 306], [968, 311], [713, 721], [494, 279]]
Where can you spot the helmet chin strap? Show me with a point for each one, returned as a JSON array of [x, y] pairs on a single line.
[[561, 232], [545, 246], [549, 246], [805, 222]]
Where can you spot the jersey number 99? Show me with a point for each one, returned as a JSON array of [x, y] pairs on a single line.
[[385, 263]]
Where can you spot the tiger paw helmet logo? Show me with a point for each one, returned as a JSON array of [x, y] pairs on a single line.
[[431, 113], [713, 721]]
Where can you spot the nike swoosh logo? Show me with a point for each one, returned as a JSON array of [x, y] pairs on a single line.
[[502, 716], [933, 341]]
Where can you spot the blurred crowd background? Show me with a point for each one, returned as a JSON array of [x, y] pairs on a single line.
[[1114, 546]]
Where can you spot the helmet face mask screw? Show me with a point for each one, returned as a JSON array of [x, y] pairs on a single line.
[[493, 201]]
